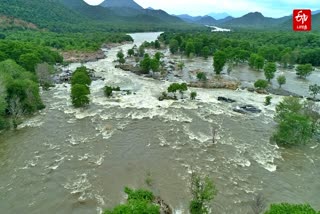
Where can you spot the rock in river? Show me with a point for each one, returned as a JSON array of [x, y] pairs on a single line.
[[227, 100], [246, 109]]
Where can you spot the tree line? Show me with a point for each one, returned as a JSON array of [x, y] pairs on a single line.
[[287, 48]]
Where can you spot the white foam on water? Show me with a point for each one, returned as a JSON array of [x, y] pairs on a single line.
[[100, 160], [199, 136], [32, 122], [79, 185], [76, 140]]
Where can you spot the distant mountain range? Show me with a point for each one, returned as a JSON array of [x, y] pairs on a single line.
[[253, 20], [219, 16], [204, 20], [76, 15], [256, 20]]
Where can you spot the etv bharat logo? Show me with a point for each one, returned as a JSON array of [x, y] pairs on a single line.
[[302, 20]]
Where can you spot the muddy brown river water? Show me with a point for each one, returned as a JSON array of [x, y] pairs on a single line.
[[67, 160]]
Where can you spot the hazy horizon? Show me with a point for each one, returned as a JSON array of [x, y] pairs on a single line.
[[269, 8]]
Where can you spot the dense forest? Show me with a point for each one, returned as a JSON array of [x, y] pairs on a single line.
[[287, 48]]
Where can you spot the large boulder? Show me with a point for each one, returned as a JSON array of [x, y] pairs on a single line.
[[244, 109], [227, 100]]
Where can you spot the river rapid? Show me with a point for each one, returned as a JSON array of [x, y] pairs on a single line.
[[67, 160]]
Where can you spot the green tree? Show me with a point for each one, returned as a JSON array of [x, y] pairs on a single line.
[[145, 64], [314, 90], [269, 70], [154, 65], [174, 87], [220, 59], [190, 49], [281, 80], [201, 76], [252, 60], [141, 51], [181, 65], [295, 126], [259, 62], [122, 61], [183, 87], [29, 61], [286, 208], [80, 78], [139, 202], [79, 95], [108, 90], [131, 52], [203, 191], [261, 84], [120, 54], [256, 61], [205, 52], [304, 70], [193, 95], [158, 56], [268, 100], [173, 46], [157, 44]]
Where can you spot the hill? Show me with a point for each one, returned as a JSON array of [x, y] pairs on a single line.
[[287, 24], [251, 20], [121, 4], [129, 8], [78, 16], [36, 12]]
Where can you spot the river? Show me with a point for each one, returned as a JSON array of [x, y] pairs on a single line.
[[66, 160]]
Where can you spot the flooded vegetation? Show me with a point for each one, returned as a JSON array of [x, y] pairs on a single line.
[[78, 160]]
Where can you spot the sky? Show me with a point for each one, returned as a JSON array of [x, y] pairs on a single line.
[[270, 8]]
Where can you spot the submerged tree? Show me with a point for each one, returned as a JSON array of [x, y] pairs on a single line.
[[44, 71], [203, 191], [79, 95], [259, 204], [269, 70], [304, 70], [201, 76], [281, 80], [139, 202], [295, 123], [220, 59], [314, 90]]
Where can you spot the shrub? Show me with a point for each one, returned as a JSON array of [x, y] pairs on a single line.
[[314, 90], [286, 208], [193, 95], [108, 90], [139, 201], [203, 191], [261, 84], [268, 100], [201, 76]]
